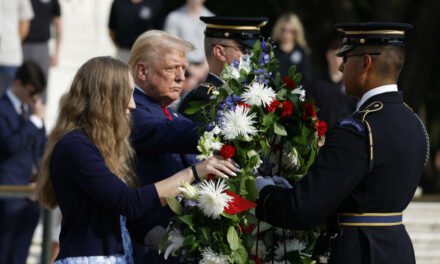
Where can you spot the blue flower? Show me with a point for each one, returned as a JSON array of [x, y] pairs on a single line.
[[263, 45], [210, 126], [236, 98], [235, 63]]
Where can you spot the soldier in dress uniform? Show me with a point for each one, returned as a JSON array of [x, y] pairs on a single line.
[[368, 170], [226, 39]]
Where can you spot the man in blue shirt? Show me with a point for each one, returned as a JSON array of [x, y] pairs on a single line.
[[22, 137]]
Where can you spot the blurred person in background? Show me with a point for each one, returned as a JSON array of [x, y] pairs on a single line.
[[184, 22], [87, 169], [22, 141], [130, 18], [15, 19], [291, 46], [35, 45], [328, 90]]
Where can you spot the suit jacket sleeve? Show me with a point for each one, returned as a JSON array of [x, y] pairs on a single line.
[[158, 135], [14, 141], [87, 169], [340, 166]]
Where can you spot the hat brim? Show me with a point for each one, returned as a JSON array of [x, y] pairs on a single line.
[[344, 50], [248, 42]]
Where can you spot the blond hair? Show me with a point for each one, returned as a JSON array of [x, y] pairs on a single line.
[[96, 103], [294, 20], [152, 44]]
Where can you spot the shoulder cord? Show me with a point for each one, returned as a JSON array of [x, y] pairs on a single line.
[[424, 132]]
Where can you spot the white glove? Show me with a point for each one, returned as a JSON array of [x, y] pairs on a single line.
[[281, 182], [261, 182]]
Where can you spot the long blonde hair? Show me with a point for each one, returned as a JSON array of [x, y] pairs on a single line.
[[293, 19], [96, 103]]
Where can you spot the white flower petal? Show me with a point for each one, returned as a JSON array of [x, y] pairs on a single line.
[[258, 94], [238, 122], [212, 199], [210, 257]]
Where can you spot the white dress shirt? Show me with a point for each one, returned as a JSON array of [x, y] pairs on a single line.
[[17, 106], [376, 91]]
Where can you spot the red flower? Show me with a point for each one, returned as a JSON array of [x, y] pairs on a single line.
[[244, 105], [211, 177], [290, 84], [321, 127], [286, 109], [255, 258], [310, 110], [227, 151], [247, 229], [273, 106]]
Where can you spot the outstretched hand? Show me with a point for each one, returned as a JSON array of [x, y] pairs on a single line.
[[218, 166]]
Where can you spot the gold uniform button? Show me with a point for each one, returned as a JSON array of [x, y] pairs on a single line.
[[362, 41], [226, 34]]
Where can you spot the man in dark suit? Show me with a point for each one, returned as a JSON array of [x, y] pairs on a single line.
[[160, 137], [22, 140], [226, 39], [368, 170]]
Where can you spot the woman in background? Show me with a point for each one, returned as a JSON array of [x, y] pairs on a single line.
[[87, 168], [291, 46]]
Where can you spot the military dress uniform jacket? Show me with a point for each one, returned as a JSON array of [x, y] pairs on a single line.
[[340, 181], [160, 145], [199, 93]]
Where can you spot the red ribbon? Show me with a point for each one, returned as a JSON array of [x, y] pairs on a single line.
[[238, 204]]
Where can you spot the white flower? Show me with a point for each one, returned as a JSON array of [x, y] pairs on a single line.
[[238, 122], [301, 92], [188, 191], [261, 249], [210, 257], [291, 245], [291, 160], [258, 94], [212, 199], [176, 240], [233, 71], [208, 143]]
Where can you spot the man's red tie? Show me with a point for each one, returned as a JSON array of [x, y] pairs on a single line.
[[165, 110]]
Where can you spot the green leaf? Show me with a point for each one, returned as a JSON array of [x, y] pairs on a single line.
[[297, 78], [292, 71], [206, 234], [234, 218], [281, 94], [187, 219], [252, 190], [195, 107], [189, 240], [240, 255], [174, 205], [232, 237], [278, 81], [279, 129], [268, 119], [163, 241]]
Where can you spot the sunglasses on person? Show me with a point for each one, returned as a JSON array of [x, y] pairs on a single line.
[[344, 57]]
